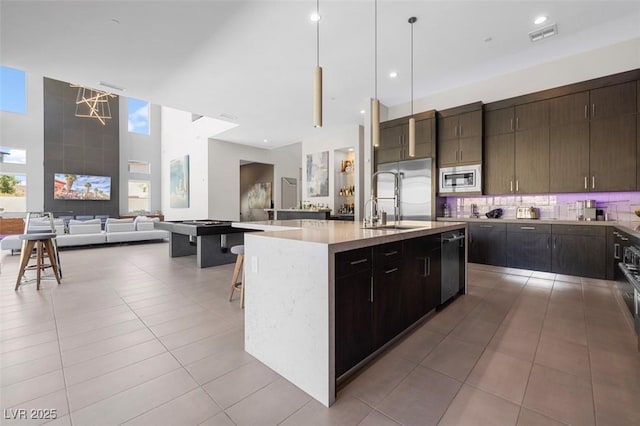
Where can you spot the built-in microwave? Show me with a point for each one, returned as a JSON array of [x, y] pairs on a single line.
[[460, 179]]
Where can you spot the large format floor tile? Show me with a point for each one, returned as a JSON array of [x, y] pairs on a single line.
[[143, 339]]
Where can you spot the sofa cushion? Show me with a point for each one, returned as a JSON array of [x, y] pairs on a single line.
[[44, 225], [119, 227], [85, 228], [83, 222], [114, 220], [146, 225]]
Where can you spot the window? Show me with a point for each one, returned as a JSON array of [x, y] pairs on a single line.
[[13, 94], [13, 193], [141, 167], [139, 200], [12, 155], [138, 116]]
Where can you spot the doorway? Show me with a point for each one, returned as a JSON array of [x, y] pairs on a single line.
[[256, 191]]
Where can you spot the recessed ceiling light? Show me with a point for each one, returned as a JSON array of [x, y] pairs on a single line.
[[393, 74], [362, 111], [540, 19], [315, 17], [265, 140]]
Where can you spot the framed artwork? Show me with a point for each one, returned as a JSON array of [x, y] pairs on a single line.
[[260, 196], [179, 183], [318, 174]]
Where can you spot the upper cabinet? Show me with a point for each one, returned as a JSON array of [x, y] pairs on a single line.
[[517, 149], [394, 139], [460, 136]]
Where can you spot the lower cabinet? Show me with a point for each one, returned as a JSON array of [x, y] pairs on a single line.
[[380, 291], [487, 243], [579, 250], [529, 246]]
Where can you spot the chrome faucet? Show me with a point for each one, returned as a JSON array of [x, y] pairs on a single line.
[[371, 219]]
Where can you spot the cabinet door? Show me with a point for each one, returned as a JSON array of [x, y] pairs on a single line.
[[613, 101], [353, 316], [388, 319], [613, 156], [529, 250], [470, 124], [470, 150], [532, 115], [499, 121], [421, 277], [580, 255], [569, 109], [425, 142], [499, 164], [487, 244], [569, 158], [447, 152], [391, 137], [388, 155], [532, 161], [448, 127]]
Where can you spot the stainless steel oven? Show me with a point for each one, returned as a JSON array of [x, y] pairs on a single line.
[[629, 284], [460, 179]]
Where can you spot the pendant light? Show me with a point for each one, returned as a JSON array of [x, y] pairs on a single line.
[[412, 121], [317, 76], [375, 103]]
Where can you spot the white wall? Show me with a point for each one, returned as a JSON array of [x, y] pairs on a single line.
[[224, 174], [180, 138], [26, 131], [584, 66], [134, 146], [327, 139]]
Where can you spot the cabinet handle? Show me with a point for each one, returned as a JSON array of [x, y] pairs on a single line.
[[517, 186], [555, 242], [511, 121], [391, 253], [460, 155], [426, 266], [455, 130], [531, 228], [391, 271], [456, 155], [624, 238], [548, 241], [586, 186], [511, 186], [586, 112], [517, 123], [593, 110], [616, 251], [355, 262], [461, 130], [371, 288], [593, 182]]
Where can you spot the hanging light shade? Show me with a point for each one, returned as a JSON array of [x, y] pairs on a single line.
[[375, 104], [412, 121], [317, 76], [93, 103]]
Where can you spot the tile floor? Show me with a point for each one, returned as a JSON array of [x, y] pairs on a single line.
[[133, 337]]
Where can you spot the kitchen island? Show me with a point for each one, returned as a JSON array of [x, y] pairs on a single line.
[[303, 279]]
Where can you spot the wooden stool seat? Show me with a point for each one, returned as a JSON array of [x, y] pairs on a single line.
[[43, 244], [235, 285]]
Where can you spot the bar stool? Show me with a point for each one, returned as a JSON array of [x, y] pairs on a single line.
[[235, 285], [43, 243]]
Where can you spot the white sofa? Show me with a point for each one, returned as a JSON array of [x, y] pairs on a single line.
[[89, 232]]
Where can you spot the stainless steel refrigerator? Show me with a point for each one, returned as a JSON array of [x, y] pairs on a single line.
[[415, 189]]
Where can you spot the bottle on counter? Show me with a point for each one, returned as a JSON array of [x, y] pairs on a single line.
[[446, 212]]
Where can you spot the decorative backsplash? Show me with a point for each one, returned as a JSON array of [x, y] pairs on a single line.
[[617, 205]]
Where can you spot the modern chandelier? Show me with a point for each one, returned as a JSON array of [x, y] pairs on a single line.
[[93, 103]]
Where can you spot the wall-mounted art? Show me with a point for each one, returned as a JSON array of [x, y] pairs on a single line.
[[179, 183], [318, 174], [260, 196]]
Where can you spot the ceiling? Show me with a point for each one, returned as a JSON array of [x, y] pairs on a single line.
[[252, 62]]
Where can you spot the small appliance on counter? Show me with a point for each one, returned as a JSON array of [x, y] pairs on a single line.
[[494, 214], [527, 213]]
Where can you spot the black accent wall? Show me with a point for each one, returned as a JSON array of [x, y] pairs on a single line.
[[78, 145]]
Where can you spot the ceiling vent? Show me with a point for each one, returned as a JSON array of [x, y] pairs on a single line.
[[542, 33]]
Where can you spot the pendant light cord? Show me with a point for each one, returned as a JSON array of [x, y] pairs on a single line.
[[375, 44], [411, 68], [318, 33]]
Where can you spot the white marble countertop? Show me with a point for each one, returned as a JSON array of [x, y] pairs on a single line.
[[341, 235], [632, 228]]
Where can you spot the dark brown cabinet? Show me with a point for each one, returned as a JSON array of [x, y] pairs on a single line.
[[387, 297], [422, 277], [394, 139], [529, 246], [579, 250], [487, 243], [517, 149], [460, 139]]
